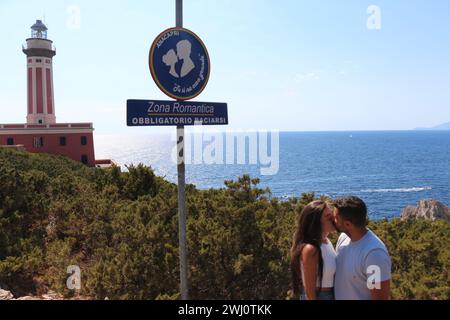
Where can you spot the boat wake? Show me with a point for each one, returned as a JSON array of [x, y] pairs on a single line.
[[415, 189]]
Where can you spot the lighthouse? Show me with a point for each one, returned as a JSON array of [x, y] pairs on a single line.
[[40, 95], [41, 133]]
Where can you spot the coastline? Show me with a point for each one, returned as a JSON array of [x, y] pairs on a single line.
[[390, 169]]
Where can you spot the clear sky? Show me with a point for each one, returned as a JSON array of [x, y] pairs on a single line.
[[291, 65]]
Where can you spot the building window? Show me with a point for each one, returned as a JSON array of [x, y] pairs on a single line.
[[38, 142], [10, 142], [84, 159], [38, 60], [83, 140], [62, 141], [40, 121], [47, 61]]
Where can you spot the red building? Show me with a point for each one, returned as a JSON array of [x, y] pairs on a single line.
[[41, 132]]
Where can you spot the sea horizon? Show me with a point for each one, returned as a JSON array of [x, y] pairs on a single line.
[[388, 169], [280, 131]]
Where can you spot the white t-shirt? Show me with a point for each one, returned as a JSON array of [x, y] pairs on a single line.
[[329, 265], [360, 264]]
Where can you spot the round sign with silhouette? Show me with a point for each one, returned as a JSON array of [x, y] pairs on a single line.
[[179, 63]]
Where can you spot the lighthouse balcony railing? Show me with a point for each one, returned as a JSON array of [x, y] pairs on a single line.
[[51, 47]]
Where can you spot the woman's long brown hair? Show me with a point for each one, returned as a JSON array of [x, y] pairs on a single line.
[[309, 231]]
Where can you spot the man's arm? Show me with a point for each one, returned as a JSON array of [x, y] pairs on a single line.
[[378, 267], [384, 293]]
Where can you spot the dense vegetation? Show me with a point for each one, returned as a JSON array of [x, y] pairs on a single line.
[[121, 228]]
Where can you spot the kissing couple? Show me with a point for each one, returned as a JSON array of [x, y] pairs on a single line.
[[172, 59], [359, 268]]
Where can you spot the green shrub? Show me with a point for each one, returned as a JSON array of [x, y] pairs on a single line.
[[121, 228]]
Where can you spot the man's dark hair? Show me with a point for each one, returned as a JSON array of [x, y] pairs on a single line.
[[352, 209]]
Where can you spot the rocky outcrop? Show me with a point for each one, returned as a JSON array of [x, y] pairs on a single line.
[[6, 295], [51, 295], [427, 209]]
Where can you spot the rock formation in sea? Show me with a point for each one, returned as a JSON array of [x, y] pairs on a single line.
[[429, 209]]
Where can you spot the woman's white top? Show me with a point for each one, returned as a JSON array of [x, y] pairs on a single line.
[[329, 265]]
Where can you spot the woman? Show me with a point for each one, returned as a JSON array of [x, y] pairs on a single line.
[[313, 258]]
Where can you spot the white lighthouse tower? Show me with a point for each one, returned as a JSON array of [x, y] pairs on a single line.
[[40, 52]]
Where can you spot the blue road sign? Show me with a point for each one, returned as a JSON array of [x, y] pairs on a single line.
[[179, 63], [175, 113]]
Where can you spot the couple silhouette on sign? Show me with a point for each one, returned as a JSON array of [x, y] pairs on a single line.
[[172, 59]]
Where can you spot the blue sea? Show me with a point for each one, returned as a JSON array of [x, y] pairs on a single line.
[[389, 170]]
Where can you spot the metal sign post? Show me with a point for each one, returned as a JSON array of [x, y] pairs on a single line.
[[182, 188], [180, 66]]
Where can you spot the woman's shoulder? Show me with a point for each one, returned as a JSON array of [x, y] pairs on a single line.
[[309, 251]]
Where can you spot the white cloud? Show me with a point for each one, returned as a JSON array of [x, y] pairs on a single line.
[[307, 76]]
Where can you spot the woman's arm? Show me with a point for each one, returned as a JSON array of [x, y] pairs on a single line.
[[310, 261]]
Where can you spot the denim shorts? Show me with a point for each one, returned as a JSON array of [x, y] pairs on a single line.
[[323, 295]]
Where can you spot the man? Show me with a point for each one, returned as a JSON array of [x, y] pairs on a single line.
[[363, 265], [184, 50]]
